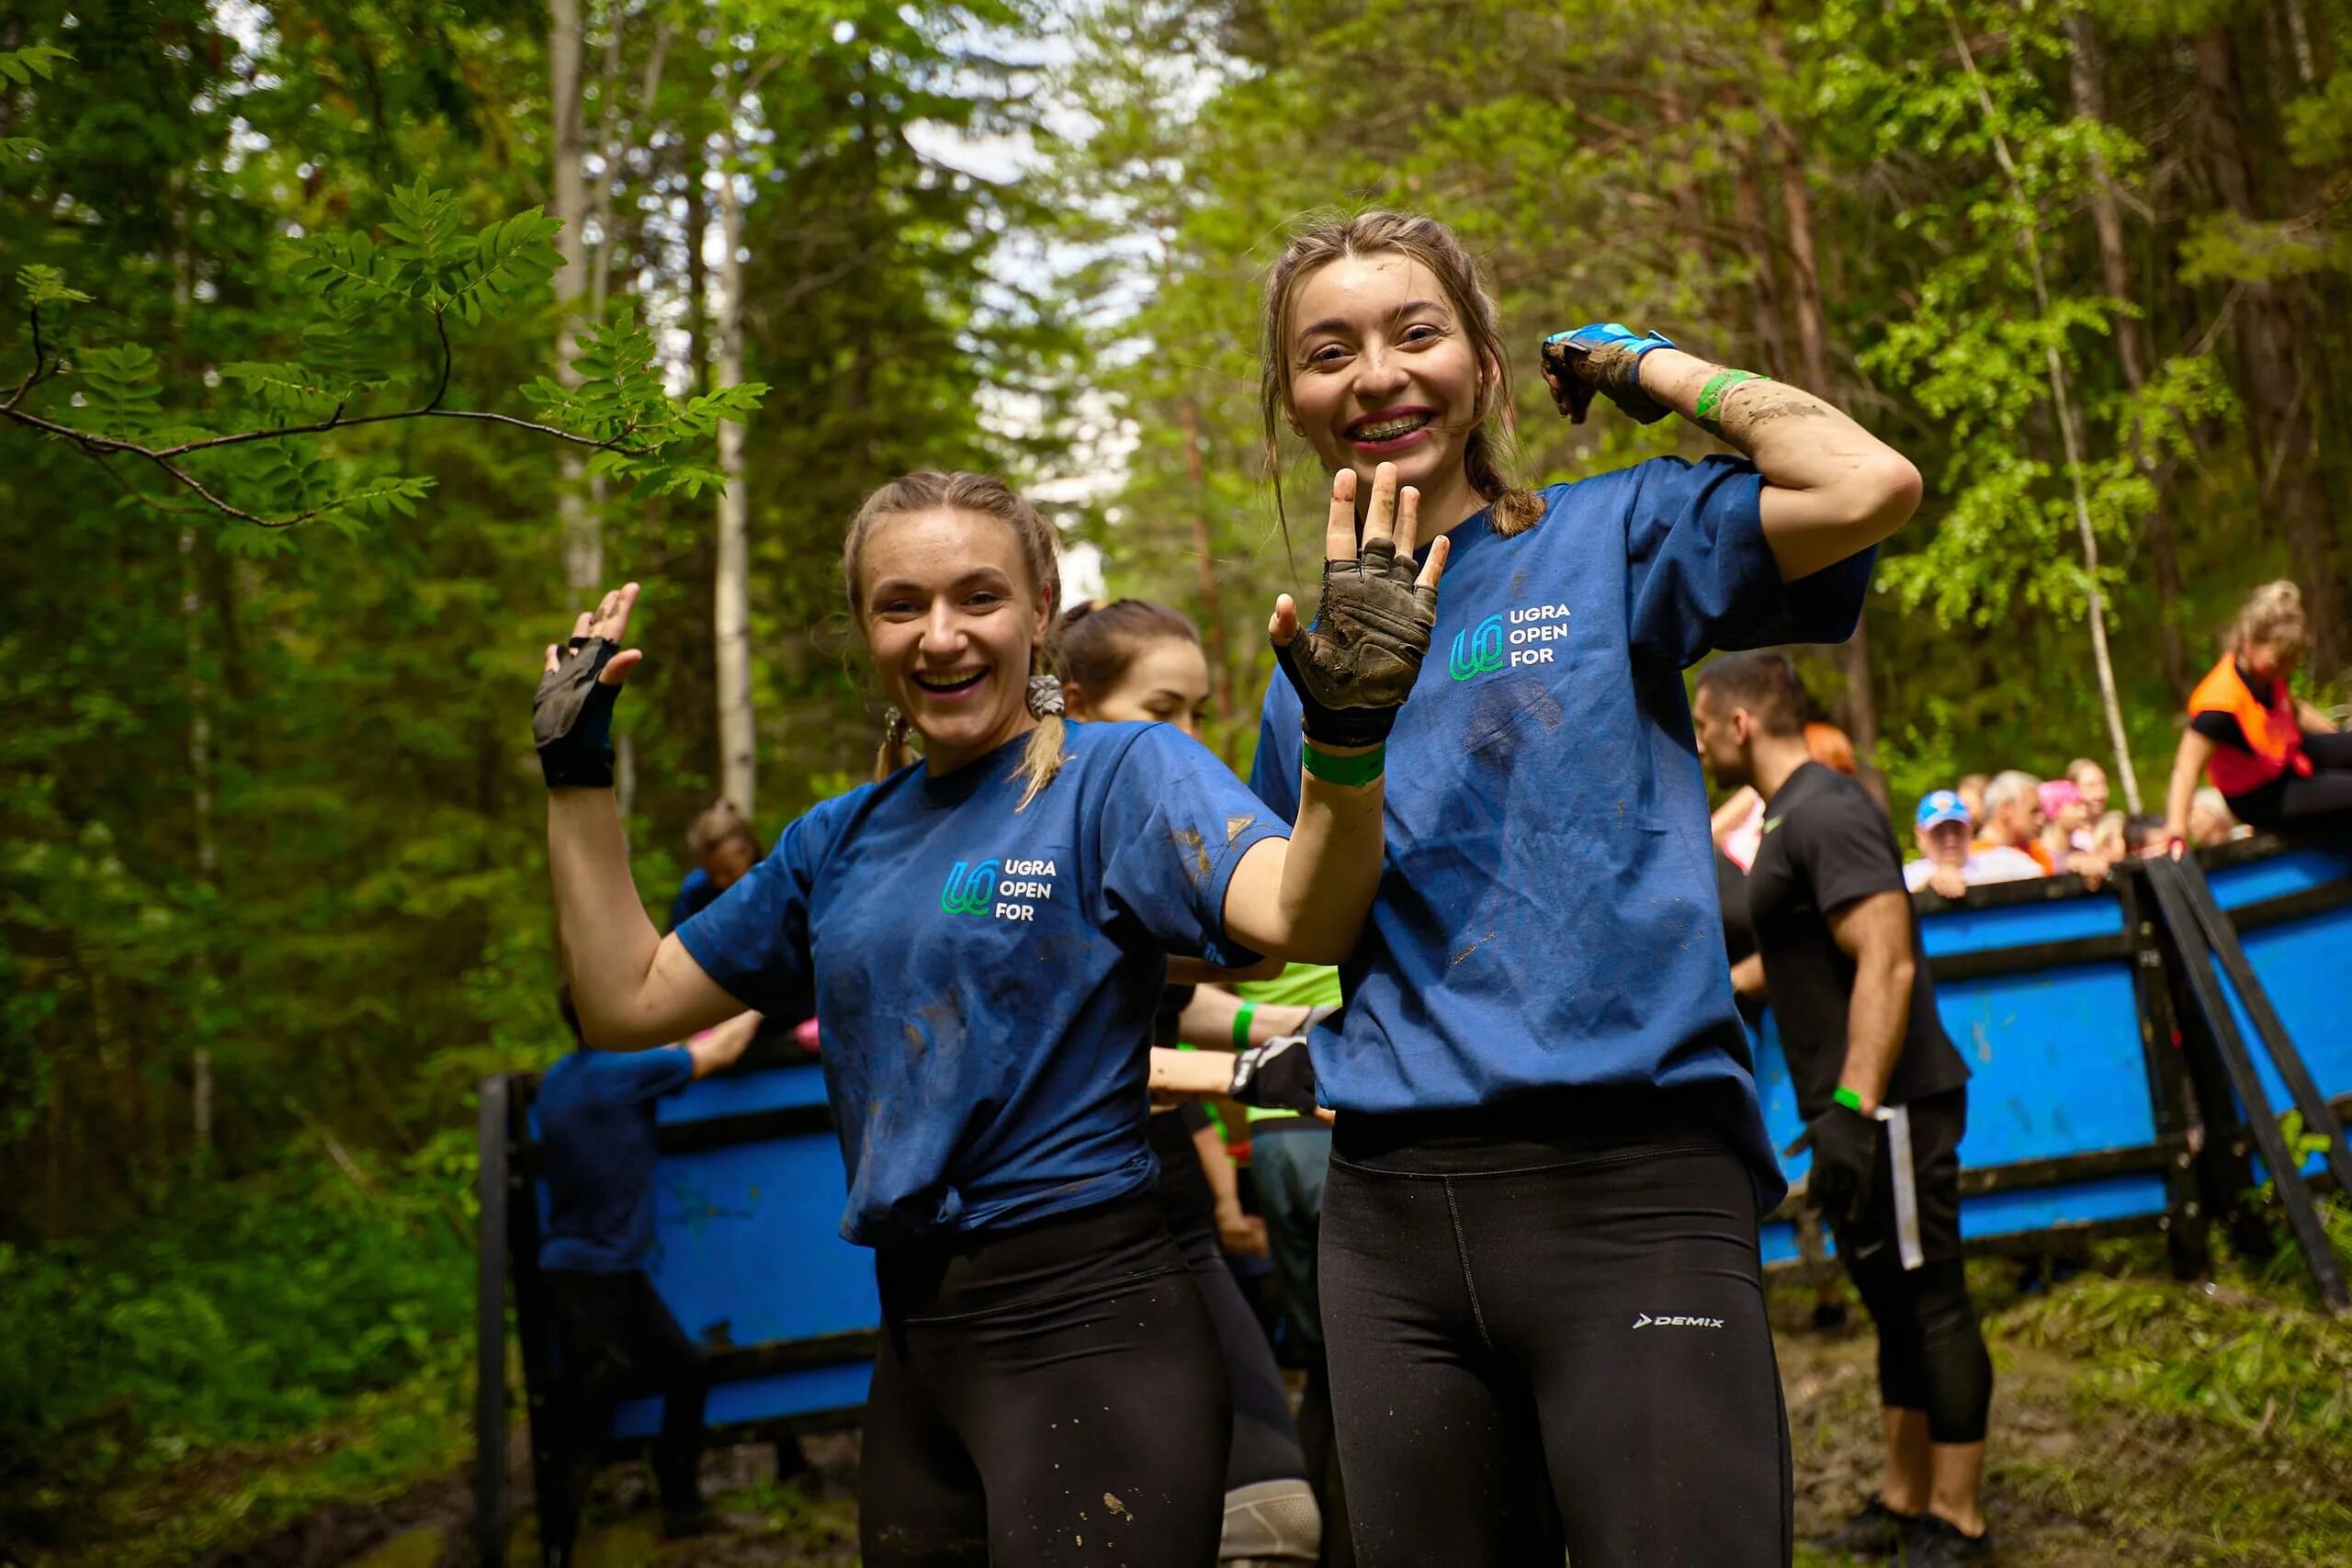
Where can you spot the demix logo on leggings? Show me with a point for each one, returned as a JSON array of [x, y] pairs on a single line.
[[1008, 889], [1643, 1320]]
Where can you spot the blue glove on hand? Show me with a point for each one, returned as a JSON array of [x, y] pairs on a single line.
[[1604, 357]]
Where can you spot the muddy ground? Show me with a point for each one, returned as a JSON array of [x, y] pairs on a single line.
[[2079, 1477]]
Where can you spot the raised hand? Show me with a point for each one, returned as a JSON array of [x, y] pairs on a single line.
[[1607, 358], [572, 713], [1355, 666]]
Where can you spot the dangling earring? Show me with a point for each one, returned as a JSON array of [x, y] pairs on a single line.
[[895, 727], [1044, 696]]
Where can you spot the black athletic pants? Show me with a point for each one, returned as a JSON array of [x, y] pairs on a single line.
[[1931, 1355], [2288, 798], [1265, 1437], [614, 1339], [1546, 1332], [1290, 1160], [1051, 1396]]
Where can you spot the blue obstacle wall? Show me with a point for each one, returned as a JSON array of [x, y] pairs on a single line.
[[749, 1256], [2076, 1121], [2292, 909]]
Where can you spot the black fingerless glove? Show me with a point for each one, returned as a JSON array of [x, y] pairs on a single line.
[[1845, 1163], [572, 718], [1277, 1076], [1354, 667]]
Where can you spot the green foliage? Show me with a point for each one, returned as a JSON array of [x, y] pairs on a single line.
[[359, 292], [2211, 1353], [242, 1313]]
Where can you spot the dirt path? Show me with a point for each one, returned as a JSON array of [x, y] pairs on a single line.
[[2085, 1472]]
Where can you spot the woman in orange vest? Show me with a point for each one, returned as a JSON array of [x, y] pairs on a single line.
[[2274, 757]]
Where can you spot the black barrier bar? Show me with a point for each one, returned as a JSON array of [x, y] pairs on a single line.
[[2223, 938], [490, 1328], [531, 1315], [2187, 1237], [708, 1133], [2174, 896]]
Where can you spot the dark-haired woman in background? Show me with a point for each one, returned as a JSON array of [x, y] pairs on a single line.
[[1134, 660]]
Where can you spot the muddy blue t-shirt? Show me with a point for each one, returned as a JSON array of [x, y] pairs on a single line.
[[1547, 914], [985, 978], [595, 1110]]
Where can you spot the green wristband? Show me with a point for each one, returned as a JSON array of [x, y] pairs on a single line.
[[1350, 771], [1712, 395], [1848, 1099], [1241, 1025]]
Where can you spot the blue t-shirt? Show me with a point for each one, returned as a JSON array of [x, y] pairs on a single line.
[[695, 894], [987, 977], [595, 1114], [1547, 914]]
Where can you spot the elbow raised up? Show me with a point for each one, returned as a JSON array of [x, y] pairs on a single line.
[[1884, 493]]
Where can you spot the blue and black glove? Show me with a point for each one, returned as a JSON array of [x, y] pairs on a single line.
[[1606, 359], [571, 716]]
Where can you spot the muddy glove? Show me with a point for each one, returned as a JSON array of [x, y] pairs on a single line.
[[1277, 1076], [572, 718], [1606, 359], [1845, 1163], [1354, 667]]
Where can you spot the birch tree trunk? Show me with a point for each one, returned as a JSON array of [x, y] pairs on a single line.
[[731, 604], [583, 543], [2069, 432]]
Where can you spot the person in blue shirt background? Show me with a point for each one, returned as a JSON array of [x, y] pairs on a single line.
[[1541, 1297], [595, 1116], [724, 847], [986, 935]]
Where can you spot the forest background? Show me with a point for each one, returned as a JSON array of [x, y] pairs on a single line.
[[272, 890]]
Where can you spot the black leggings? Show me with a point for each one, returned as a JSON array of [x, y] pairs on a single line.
[[1265, 1437], [1546, 1332], [614, 1339], [1931, 1355], [2290, 799], [1053, 1395]]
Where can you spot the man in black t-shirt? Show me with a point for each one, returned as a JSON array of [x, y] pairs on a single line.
[[1883, 1093]]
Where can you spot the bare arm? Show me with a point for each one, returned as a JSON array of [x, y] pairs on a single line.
[[715, 1049], [1747, 977], [1207, 1019], [1189, 1074], [2186, 764], [1731, 813], [1831, 489], [1235, 1230], [1875, 933], [633, 988], [2315, 721]]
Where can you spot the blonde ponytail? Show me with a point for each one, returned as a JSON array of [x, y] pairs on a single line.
[[1042, 758], [893, 753]]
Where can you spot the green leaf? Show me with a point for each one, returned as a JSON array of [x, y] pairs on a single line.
[[46, 286], [284, 388], [121, 387], [21, 66]]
